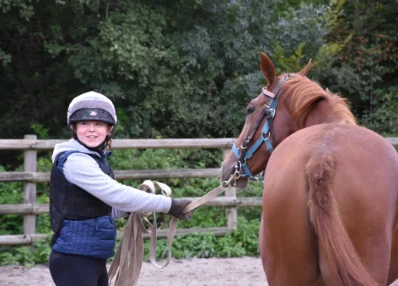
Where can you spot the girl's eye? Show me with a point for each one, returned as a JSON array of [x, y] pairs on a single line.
[[99, 124], [250, 110]]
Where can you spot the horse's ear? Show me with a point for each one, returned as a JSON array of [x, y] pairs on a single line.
[[267, 68], [305, 70]]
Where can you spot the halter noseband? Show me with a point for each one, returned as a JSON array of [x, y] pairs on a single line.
[[269, 109]]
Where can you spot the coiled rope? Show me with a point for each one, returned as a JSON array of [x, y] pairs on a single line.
[[126, 266]]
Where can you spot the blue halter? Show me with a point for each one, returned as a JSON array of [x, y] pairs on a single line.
[[269, 110]]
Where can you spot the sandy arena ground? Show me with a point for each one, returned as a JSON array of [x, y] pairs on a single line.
[[245, 271]]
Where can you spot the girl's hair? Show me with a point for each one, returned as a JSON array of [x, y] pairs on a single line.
[[108, 141]]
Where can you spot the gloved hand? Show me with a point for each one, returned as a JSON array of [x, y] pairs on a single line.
[[177, 205]]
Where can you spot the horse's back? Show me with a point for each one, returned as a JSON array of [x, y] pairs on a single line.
[[362, 156], [362, 168]]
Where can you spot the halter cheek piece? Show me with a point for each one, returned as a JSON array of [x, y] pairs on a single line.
[[268, 111]]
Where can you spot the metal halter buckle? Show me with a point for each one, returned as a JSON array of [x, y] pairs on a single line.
[[232, 180], [270, 112]]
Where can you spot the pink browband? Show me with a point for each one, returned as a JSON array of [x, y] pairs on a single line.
[[268, 93]]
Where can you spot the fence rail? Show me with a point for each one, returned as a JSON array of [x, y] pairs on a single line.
[[30, 177], [30, 145], [40, 144], [40, 177]]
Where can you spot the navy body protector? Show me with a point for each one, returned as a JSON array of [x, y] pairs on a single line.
[[70, 202]]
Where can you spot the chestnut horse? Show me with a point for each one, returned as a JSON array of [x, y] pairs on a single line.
[[330, 186]]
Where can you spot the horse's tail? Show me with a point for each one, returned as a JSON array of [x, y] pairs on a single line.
[[340, 262]]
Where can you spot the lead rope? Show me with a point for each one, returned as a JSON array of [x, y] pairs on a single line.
[[126, 266]]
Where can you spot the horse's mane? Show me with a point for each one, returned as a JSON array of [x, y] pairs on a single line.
[[305, 94]]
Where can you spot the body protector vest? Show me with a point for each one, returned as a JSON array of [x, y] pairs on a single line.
[[70, 202]]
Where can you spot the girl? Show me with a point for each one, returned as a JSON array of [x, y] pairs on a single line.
[[85, 197]]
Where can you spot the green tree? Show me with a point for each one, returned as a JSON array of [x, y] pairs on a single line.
[[365, 65]]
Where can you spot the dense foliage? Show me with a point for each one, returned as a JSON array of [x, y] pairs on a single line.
[[182, 69], [365, 66]]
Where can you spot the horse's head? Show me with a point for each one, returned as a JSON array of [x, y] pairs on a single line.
[[268, 122]]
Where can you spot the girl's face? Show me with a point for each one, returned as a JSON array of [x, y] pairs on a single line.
[[92, 133]]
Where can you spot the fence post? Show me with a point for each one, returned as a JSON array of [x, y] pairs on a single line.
[[30, 163], [232, 213]]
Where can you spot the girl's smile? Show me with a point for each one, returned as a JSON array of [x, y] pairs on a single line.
[[92, 133]]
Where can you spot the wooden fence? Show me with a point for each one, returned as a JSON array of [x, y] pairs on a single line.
[[31, 145]]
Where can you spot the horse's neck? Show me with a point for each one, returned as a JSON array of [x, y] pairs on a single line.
[[322, 113]]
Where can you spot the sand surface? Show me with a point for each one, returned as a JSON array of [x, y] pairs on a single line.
[[245, 271]]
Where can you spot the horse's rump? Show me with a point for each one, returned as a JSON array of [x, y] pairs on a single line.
[[333, 178]]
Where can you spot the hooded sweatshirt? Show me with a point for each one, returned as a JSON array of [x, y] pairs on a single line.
[[83, 171]]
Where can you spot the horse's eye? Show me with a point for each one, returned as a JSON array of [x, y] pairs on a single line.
[[250, 110]]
